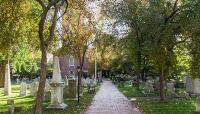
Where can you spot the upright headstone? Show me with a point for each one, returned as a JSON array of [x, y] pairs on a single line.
[[149, 86], [170, 88], [18, 81], [193, 85], [7, 84], [33, 88], [23, 88], [70, 91], [47, 91], [57, 87]]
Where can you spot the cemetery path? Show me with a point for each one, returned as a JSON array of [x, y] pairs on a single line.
[[109, 100]]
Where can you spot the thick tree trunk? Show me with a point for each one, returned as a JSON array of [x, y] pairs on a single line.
[[2, 72], [40, 93], [161, 80]]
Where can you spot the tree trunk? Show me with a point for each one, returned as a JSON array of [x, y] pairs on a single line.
[[161, 80], [2, 72], [40, 93]]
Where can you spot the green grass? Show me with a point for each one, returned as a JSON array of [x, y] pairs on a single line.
[[170, 106], [27, 103], [129, 90]]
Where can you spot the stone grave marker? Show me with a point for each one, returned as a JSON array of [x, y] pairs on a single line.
[[148, 87], [7, 84], [34, 87], [170, 88], [47, 91], [70, 91], [192, 85], [23, 88]]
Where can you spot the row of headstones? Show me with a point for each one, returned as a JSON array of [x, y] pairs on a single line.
[[150, 86], [192, 85], [70, 89]]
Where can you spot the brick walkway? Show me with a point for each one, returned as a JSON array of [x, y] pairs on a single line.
[[109, 100]]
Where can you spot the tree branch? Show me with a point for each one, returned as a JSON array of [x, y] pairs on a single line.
[[41, 3], [53, 25], [52, 3]]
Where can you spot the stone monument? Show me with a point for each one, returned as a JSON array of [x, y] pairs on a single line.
[[71, 90], [7, 84], [170, 88], [57, 87], [33, 88], [192, 85], [23, 88], [47, 91]]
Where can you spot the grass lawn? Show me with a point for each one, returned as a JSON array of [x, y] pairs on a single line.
[[170, 106], [27, 103]]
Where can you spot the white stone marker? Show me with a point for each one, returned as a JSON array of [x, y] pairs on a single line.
[[57, 87], [23, 88], [7, 84]]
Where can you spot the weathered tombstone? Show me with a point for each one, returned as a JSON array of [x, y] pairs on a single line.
[[34, 87], [141, 85], [91, 86], [18, 81], [70, 91], [156, 84], [23, 88], [57, 87], [198, 104], [7, 84], [148, 88], [85, 82], [170, 88], [193, 85], [47, 91]]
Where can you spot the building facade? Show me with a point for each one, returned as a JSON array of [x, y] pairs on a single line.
[[68, 65]]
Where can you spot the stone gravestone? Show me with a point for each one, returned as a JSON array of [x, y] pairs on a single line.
[[170, 88], [23, 88], [34, 87], [7, 84], [141, 85], [85, 82], [192, 85], [91, 86], [57, 87], [70, 91], [18, 81], [47, 91], [148, 88]]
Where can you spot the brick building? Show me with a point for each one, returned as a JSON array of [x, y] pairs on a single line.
[[68, 65]]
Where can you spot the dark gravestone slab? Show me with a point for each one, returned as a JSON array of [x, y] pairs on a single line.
[[70, 91]]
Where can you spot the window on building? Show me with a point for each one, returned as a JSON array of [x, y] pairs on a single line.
[[71, 61]]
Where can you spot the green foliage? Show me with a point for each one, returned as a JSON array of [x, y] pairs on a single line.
[[156, 31]]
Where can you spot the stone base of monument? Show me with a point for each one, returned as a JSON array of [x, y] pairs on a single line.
[[57, 96], [57, 106]]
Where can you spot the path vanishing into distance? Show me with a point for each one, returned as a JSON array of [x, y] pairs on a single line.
[[109, 100]]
